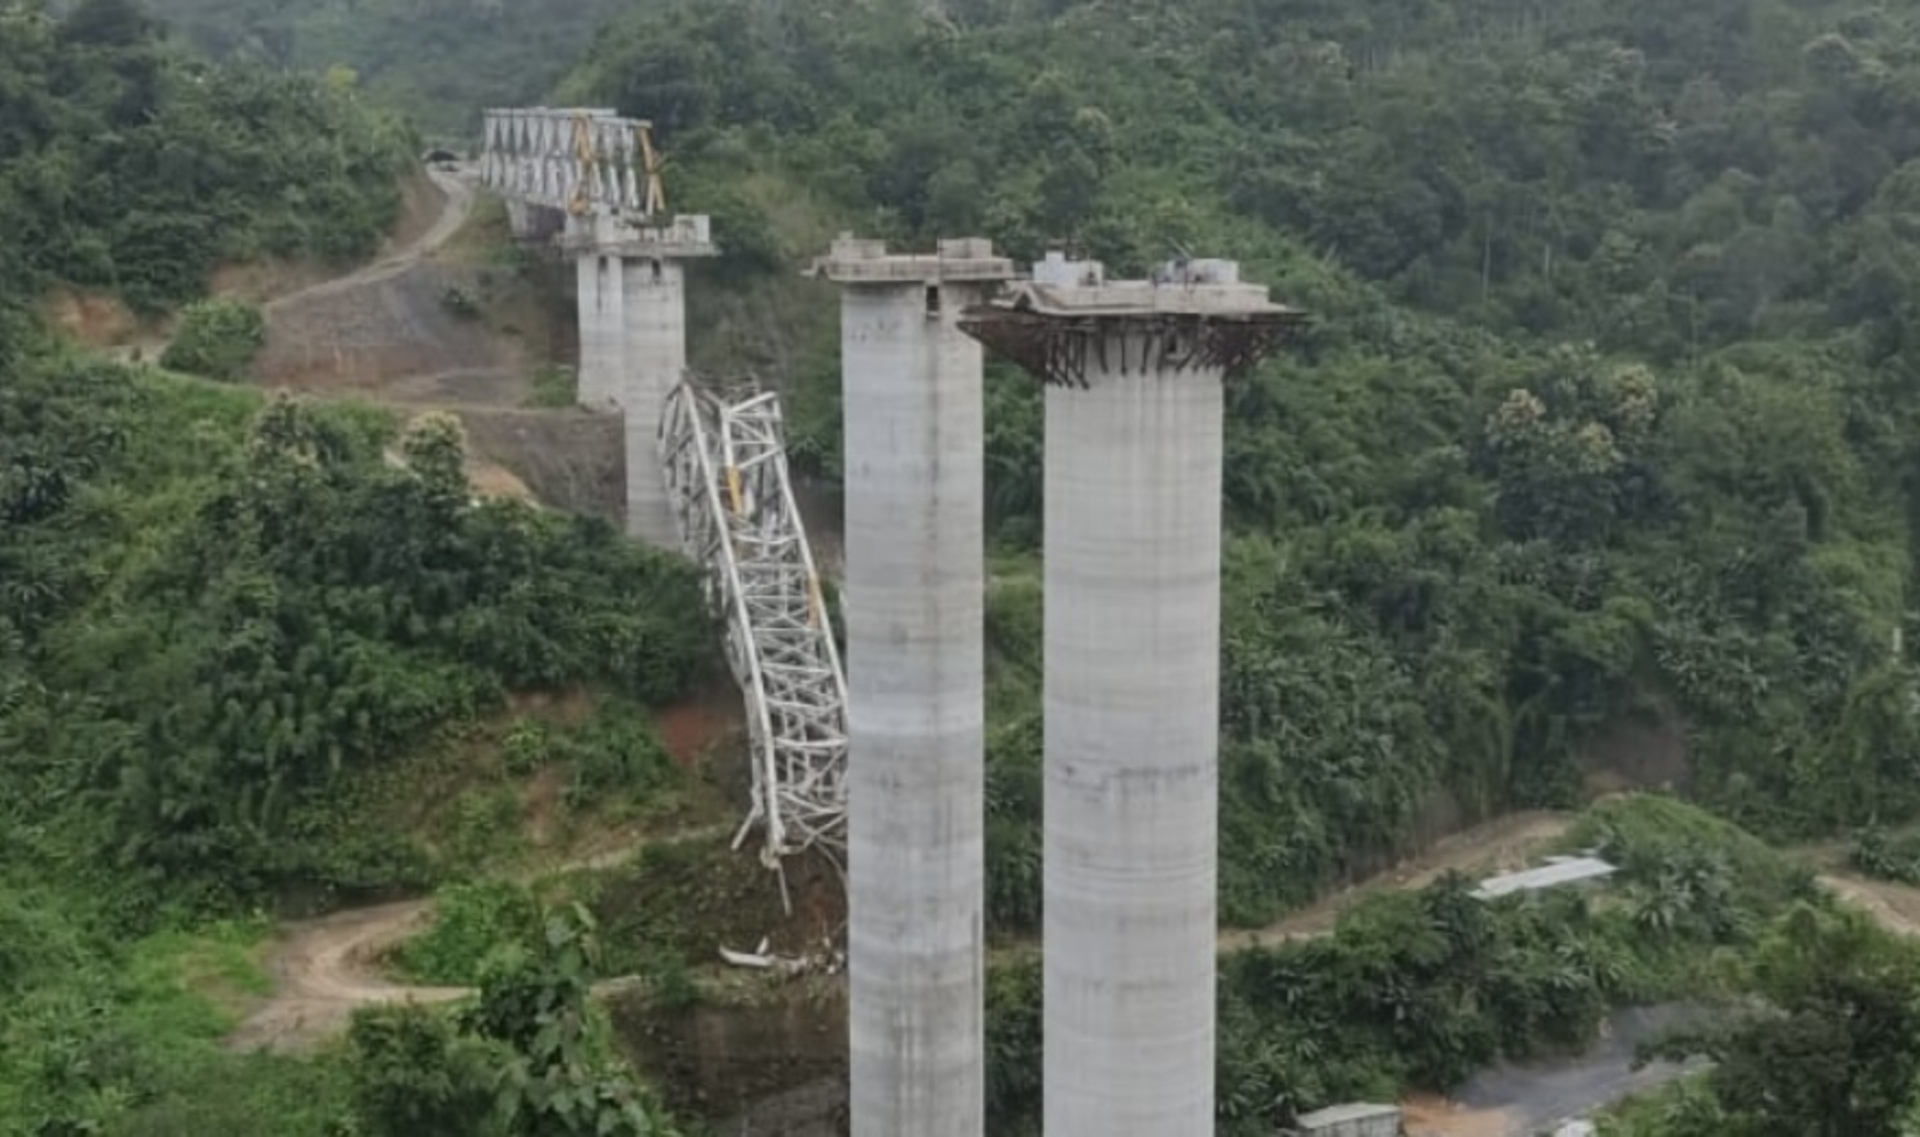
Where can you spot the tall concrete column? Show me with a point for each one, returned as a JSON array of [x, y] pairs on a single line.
[[1134, 402], [633, 342], [602, 342], [911, 386], [654, 305]]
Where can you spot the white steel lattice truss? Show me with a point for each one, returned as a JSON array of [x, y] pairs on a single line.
[[726, 469], [582, 161]]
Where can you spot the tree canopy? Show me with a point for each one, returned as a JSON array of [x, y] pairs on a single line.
[[1606, 414]]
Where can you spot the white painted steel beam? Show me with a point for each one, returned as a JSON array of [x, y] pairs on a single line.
[[582, 160], [726, 469]]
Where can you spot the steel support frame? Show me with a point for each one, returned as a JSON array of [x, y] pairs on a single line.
[[581, 161], [726, 470]]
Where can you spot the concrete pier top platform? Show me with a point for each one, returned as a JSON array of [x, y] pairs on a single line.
[[854, 260], [1070, 324], [1207, 288], [686, 236]]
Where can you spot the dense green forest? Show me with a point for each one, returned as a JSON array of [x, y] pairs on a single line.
[[128, 167], [1605, 417], [440, 61], [1606, 414], [224, 619]]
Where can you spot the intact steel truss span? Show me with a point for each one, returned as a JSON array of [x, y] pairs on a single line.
[[581, 160], [726, 469]]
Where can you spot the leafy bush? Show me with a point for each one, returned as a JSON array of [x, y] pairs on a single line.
[[1885, 856], [555, 386], [614, 754], [216, 339], [471, 922]]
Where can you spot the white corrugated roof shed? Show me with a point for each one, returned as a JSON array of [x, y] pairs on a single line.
[[1556, 872], [1353, 1111]]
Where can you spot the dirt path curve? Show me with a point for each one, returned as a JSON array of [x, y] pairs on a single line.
[[1895, 907], [455, 208], [1503, 844], [323, 969]]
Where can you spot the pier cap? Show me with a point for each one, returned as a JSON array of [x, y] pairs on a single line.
[[688, 235], [855, 260], [1190, 314]]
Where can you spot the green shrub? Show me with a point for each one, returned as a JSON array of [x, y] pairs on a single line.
[[216, 339], [555, 386], [615, 754], [669, 980], [1885, 856], [527, 747], [471, 923]]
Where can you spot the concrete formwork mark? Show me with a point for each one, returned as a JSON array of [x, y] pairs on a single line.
[[602, 308], [1131, 700], [915, 573], [653, 299]]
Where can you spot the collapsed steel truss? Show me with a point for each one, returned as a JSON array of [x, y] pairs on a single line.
[[726, 470], [579, 160]]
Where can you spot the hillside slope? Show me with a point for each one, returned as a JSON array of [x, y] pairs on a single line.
[[1605, 428]]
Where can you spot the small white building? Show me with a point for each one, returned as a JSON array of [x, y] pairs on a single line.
[[1357, 1119], [1558, 872]]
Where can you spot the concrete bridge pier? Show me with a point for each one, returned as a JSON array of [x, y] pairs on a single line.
[[1134, 376], [633, 340], [915, 558]]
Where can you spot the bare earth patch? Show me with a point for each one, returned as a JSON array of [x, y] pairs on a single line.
[[1427, 1116]]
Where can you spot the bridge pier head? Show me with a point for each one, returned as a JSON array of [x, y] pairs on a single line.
[[1134, 405], [915, 564], [633, 340]]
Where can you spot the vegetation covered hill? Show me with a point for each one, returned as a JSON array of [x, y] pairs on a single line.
[[127, 167], [1608, 413], [225, 620], [440, 61]]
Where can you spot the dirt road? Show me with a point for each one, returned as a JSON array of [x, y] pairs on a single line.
[[323, 969], [1500, 845], [456, 208]]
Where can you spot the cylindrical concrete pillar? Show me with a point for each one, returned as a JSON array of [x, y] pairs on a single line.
[[602, 343], [914, 577], [654, 302], [1132, 568]]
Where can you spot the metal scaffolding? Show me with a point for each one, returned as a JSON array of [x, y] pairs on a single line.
[[580, 160], [726, 469]]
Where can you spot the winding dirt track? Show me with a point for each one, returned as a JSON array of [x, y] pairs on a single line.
[[455, 209], [323, 969]]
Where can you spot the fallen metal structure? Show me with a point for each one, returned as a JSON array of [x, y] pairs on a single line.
[[726, 472]]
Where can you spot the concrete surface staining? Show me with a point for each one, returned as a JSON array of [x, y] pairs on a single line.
[[602, 342], [1131, 695], [911, 385], [633, 342], [654, 303], [1134, 402]]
